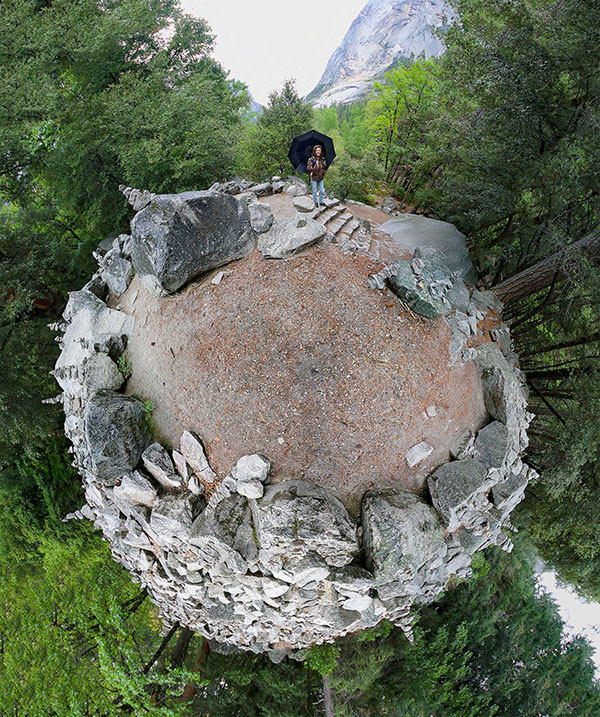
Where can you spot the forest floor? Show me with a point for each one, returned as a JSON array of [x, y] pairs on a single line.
[[298, 360]]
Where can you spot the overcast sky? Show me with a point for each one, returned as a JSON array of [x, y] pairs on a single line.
[[266, 42]]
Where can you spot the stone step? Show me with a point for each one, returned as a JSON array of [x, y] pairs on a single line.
[[335, 224], [329, 214], [348, 229]]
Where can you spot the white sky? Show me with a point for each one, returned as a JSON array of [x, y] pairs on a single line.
[[580, 617], [266, 42]]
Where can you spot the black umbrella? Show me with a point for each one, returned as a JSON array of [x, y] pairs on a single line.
[[302, 147]]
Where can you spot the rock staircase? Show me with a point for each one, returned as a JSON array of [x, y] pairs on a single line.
[[342, 226]]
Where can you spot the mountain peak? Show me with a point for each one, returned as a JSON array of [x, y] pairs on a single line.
[[383, 32]]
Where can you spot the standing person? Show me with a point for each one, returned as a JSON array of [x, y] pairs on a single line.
[[316, 167]]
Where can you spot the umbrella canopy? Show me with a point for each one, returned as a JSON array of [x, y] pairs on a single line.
[[302, 147]]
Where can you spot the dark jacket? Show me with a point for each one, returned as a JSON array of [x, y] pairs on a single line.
[[316, 167]]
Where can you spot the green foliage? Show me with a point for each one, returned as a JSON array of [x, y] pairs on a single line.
[[124, 366], [492, 645], [91, 95], [252, 686], [266, 142], [401, 117], [323, 658]]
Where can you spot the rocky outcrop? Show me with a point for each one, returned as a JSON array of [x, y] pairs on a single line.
[[278, 567], [177, 237], [116, 432], [382, 34], [288, 236]]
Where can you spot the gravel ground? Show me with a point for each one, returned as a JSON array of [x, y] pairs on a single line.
[[300, 361]]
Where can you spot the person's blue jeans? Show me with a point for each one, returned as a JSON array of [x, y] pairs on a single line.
[[320, 187]]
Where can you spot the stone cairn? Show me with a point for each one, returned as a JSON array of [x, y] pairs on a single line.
[[274, 567]]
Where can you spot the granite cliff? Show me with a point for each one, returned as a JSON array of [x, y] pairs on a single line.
[[384, 32]]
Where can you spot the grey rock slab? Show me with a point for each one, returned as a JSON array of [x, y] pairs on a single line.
[[458, 297], [252, 467], [507, 493], [400, 534], [177, 237], [261, 217], [456, 482], [117, 274], [491, 444], [231, 522], [252, 489], [504, 396], [359, 603], [212, 550], [303, 204], [418, 453], [158, 463], [411, 231], [286, 237], [100, 371], [193, 452], [117, 434], [415, 292], [301, 515], [136, 488], [172, 517], [180, 464]]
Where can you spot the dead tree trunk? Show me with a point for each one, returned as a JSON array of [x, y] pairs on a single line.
[[543, 273]]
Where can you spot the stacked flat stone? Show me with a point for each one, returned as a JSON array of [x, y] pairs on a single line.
[[268, 567]]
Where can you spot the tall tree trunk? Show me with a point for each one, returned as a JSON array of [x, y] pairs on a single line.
[[327, 698], [591, 338], [181, 647], [190, 689], [543, 273]]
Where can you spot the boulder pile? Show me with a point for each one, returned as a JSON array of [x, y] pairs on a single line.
[[250, 564]]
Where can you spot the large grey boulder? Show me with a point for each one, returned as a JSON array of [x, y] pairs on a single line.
[[504, 395], [288, 236], [300, 515], [415, 292], [230, 523], [117, 434], [491, 444], [454, 485], [400, 534], [177, 237], [412, 231]]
